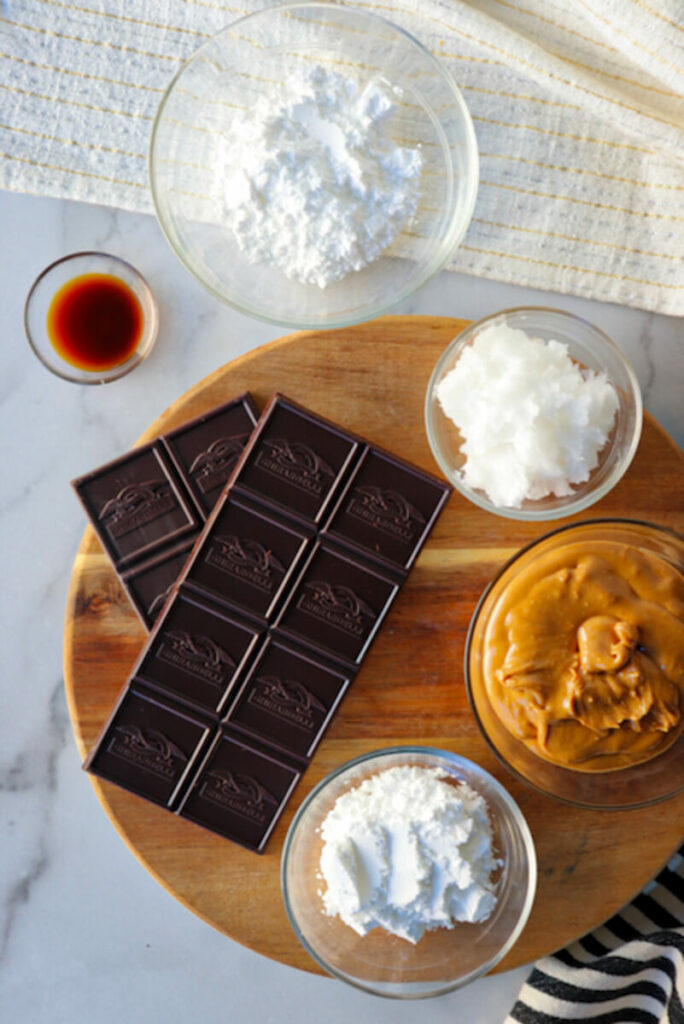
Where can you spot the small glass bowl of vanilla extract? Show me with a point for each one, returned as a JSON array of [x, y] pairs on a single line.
[[91, 318]]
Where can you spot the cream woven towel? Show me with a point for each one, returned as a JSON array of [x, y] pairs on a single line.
[[578, 107]]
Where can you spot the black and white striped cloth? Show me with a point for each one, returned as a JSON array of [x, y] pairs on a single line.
[[629, 971]]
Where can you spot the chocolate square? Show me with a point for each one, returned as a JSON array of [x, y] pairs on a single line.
[[296, 462], [136, 506], [246, 559], [239, 792], [206, 451], [196, 653], [149, 746], [337, 604], [387, 509], [288, 699], [150, 585]]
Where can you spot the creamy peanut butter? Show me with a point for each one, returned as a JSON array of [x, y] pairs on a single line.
[[584, 655]]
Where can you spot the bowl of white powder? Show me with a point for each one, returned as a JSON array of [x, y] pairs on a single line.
[[312, 165], [533, 413], [408, 872]]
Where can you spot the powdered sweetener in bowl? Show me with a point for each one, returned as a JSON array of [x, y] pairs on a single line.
[[408, 872], [408, 852], [313, 165], [313, 182]]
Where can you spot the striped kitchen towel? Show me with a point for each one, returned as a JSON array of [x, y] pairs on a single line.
[[578, 110], [631, 969]]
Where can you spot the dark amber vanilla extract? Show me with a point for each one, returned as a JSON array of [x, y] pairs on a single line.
[[95, 322]]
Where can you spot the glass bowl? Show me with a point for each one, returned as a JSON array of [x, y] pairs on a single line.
[[588, 346], [57, 275], [639, 785], [237, 67], [382, 963]]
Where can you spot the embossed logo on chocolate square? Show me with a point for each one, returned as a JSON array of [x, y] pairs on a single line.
[[296, 463], [136, 505], [337, 605], [247, 560], [239, 793], [212, 467], [387, 510], [159, 601], [199, 656], [288, 700], [148, 749]]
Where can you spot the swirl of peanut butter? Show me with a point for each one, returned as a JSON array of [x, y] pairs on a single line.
[[584, 655]]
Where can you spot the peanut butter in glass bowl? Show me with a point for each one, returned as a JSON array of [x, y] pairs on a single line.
[[575, 663]]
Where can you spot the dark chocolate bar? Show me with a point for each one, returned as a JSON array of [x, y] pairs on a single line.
[[148, 506], [273, 613]]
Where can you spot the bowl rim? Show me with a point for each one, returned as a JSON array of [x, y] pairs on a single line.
[[99, 377], [456, 230], [463, 764], [531, 514], [602, 521]]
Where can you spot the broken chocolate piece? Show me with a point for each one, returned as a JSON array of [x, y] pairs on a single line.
[[147, 505]]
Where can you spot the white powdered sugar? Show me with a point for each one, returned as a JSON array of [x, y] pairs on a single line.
[[533, 420], [314, 184], [408, 852]]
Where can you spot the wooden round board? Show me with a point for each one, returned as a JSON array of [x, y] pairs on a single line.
[[372, 379]]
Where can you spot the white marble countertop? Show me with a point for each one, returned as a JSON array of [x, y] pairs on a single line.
[[87, 934]]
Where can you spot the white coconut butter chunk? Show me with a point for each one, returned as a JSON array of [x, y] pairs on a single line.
[[409, 852], [533, 421]]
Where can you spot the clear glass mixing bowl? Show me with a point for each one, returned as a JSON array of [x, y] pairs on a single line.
[[639, 785], [444, 959], [590, 348], [229, 74]]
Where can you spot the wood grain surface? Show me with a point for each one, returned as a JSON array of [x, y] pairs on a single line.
[[372, 379]]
